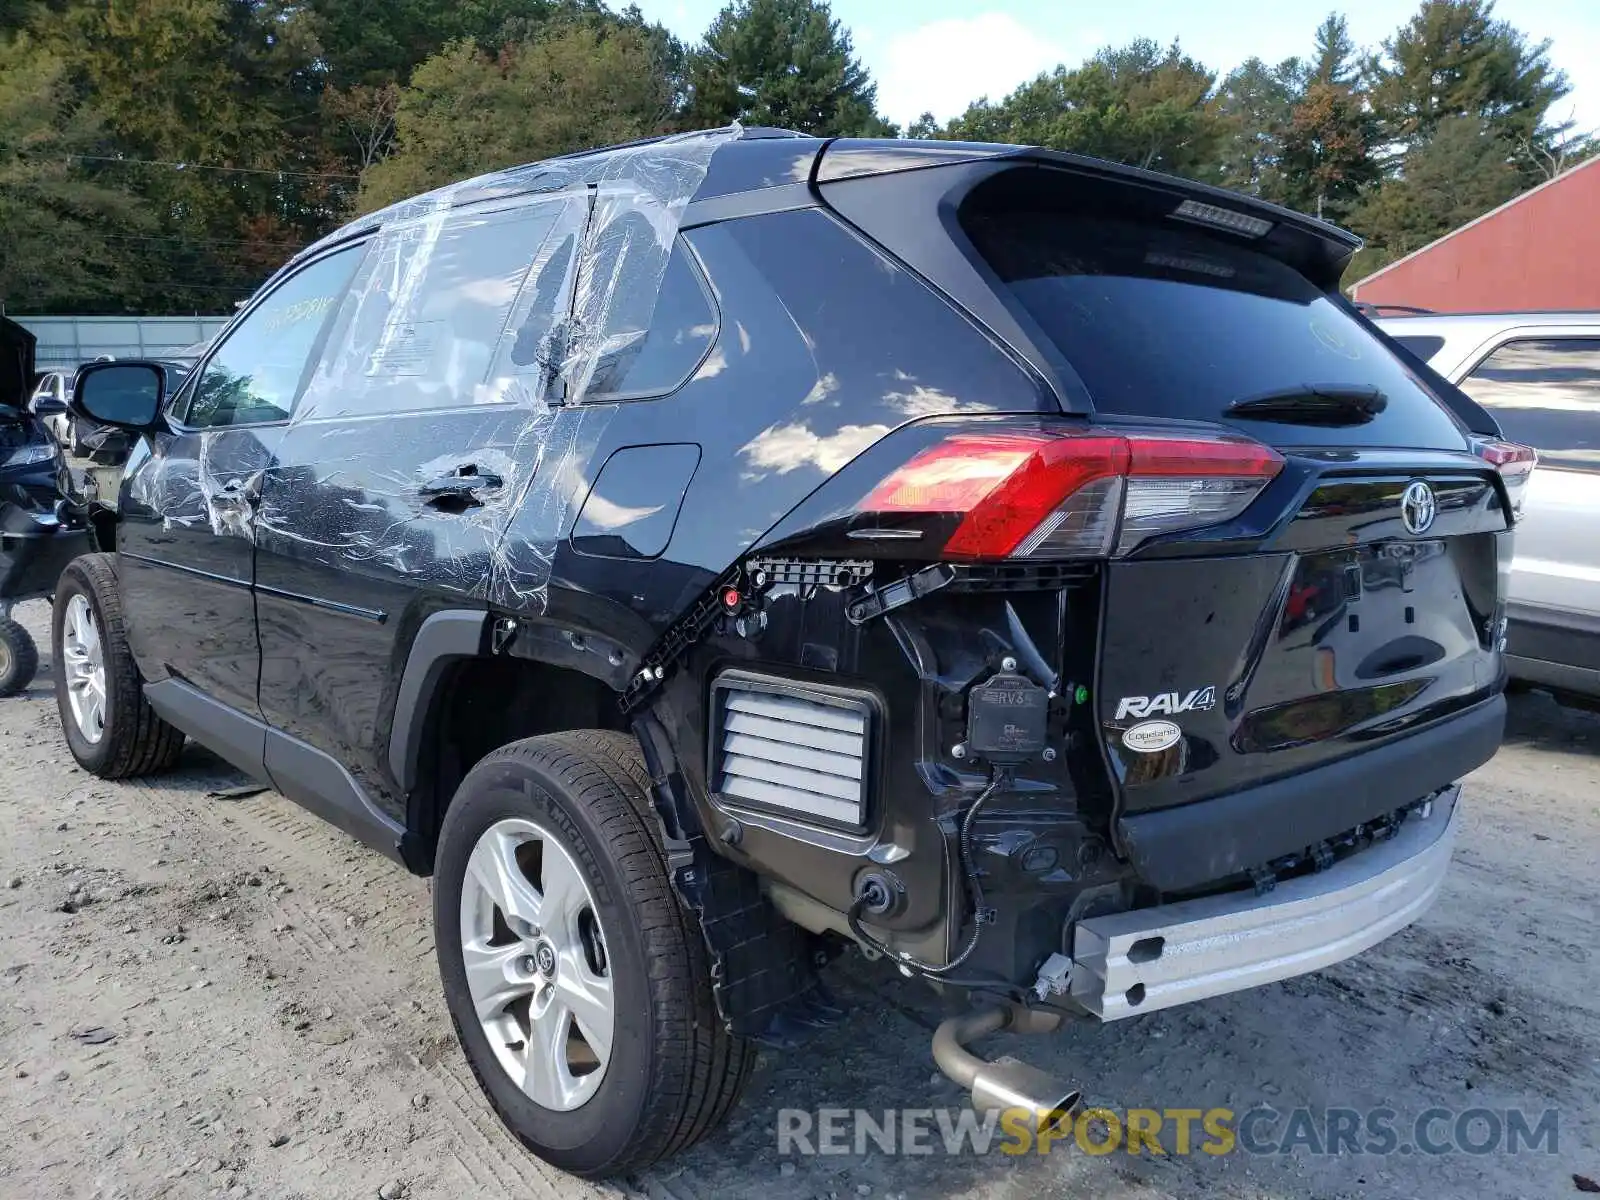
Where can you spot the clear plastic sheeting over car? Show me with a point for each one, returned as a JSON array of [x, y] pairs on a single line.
[[506, 294]]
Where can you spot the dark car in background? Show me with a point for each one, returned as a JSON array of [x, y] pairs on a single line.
[[709, 555], [40, 528]]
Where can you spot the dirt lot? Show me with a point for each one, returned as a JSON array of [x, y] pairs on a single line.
[[206, 995]]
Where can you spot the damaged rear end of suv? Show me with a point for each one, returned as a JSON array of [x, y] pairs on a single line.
[[708, 556], [1149, 676]]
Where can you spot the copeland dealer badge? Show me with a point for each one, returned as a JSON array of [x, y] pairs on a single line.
[[1148, 737]]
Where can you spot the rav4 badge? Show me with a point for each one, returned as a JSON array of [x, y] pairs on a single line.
[[1148, 737], [1168, 704]]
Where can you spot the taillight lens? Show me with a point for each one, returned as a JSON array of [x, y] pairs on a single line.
[[1037, 494], [1515, 462]]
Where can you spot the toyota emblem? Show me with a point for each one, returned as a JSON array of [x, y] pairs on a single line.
[[1418, 507]]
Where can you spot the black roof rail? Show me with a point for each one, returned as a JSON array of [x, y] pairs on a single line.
[[1393, 310]]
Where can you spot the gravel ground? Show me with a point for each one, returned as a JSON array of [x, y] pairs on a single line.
[[207, 995]]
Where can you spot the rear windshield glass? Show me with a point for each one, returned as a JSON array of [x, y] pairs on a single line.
[[1161, 319]]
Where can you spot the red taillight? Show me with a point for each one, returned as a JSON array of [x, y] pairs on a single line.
[[1067, 495], [1515, 463]]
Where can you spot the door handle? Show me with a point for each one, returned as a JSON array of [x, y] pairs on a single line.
[[462, 488]]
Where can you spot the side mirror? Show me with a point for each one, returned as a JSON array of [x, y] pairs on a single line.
[[128, 395], [47, 406]]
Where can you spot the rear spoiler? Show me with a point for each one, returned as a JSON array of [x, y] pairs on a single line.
[[1319, 250], [906, 195]]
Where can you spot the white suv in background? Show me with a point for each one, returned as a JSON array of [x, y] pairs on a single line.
[[1539, 374], [57, 385]]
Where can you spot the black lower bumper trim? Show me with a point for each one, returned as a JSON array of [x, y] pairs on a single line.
[[1182, 848]]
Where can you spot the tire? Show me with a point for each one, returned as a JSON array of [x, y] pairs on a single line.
[[672, 1073], [19, 658], [132, 740]]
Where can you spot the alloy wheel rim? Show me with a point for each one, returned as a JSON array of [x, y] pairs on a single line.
[[83, 656], [5, 660], [536, 964]]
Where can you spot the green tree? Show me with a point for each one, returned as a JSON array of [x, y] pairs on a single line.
[[210, 108], [372, 43], [1256, 102], [1328, 151], [1335, 61], [788, 63], [1458, 174], [59, 245], [1454, 59], [466, 112], [1329, 146], [1136, 104]]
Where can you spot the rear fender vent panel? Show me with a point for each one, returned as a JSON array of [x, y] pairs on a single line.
[[798, 749]]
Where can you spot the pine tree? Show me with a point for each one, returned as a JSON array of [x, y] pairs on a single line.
[[1328, 149], [1454, 59], [1458, 174], [787, 63], [1257, 102], [1137, 104], [1335, 61]]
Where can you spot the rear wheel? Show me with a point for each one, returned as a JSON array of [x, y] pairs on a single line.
[[577, 982], [110, 727], [19, 658]]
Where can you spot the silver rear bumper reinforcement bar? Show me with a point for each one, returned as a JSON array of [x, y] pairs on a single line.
[[1134, 962]]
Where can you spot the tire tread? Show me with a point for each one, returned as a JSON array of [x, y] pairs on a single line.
[[24, 657], [141, 742]]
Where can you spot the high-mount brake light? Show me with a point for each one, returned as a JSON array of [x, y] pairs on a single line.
[[1082, 494], [1515, 462], [1222, 218]]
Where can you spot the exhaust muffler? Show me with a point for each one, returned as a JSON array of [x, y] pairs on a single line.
[[1005, 1083]]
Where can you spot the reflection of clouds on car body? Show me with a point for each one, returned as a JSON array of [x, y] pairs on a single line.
[[785, 448]]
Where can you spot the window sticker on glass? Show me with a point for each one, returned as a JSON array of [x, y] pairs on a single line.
[[428, 310], [407, 348]]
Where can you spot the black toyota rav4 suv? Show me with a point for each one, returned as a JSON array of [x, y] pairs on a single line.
[[706, 555]]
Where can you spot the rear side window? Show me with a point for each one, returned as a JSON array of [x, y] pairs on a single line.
[[652, 340], [1423, 347], [1545, 392], [1162, 319]]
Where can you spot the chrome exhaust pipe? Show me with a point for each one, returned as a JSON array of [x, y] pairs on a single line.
[[1005, 1083]]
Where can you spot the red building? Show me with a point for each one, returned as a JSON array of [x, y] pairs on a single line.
[[1539, 251]]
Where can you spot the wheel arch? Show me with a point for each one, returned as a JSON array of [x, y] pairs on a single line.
[[475, 681]]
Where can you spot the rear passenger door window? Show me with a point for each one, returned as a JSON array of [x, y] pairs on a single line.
[[1545, 393], [450, 311]]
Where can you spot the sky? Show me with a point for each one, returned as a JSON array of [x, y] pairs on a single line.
[[940, 55]]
